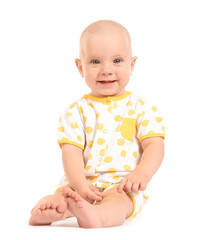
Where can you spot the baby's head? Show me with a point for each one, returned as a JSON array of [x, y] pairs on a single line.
[[106, 60]]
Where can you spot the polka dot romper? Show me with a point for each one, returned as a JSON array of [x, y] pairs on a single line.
[[109, 130]]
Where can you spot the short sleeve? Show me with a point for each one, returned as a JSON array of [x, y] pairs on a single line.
[[149, 121], [71, 127]]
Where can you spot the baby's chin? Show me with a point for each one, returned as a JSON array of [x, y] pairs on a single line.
[[108, 93]]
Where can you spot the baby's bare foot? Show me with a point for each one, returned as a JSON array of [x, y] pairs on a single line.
[[48, 210], [86, 213]]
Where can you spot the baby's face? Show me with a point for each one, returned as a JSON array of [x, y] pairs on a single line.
[[106, 64]]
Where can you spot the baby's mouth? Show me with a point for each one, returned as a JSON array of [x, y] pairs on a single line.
[[110, 81]]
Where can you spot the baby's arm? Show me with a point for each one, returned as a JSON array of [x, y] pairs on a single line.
[[73, 165], [153, 153]]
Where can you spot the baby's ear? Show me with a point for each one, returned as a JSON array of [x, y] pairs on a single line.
[[79, 66], [133, 60]]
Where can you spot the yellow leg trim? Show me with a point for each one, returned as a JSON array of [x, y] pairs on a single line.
[[134, 202]]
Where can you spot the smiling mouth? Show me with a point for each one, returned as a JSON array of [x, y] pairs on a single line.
[[111, 81]]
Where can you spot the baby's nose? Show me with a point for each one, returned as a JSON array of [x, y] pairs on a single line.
[[106, 69]]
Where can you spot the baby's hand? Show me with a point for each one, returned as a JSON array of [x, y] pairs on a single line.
[[133, 182], [89, 192]]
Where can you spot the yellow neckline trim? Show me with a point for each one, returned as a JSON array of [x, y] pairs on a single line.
[[98, 99]]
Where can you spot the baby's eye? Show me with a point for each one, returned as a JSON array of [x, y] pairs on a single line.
[[117, 60], [95, 61]]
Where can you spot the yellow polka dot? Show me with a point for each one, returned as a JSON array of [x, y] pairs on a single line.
[[100, 126], [61, 129], [90, 144], [129, 103], [110, 109], [154, 109], [80, 110], [145, 123], [66, 180], [120, 142], [100, 141], [102, 152], [73, 105], [91, 105], [134, 215], [97, 114], [127, 167], [115, 105], [131, 112], [107, 102], [90, 157], [105, 185], [74, 125], [116, 178], [79, 138], [158, 119], [87, 168], [93, 179], [104, 131], [108, 159], [140, 209], [141, 102], [142, 113], [135, 154], [112, 171], [151, 132], [146, 197], [118, 129], [123, 153], [89, 130], [84, 118], [68, 114], [65, 139], [163, 129], [118, 118]]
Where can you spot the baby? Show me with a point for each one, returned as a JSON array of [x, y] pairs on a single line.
[[111, 139]]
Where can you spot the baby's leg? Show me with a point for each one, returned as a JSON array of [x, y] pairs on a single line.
[[50, 209], [111, 211]]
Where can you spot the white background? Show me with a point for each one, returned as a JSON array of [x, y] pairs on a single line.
[[38, 45]]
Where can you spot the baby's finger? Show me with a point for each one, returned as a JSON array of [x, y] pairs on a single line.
[[121, 185], [93, 196], [93, 188], [142, 186], [135, 187], [128, 187], [98, 193]]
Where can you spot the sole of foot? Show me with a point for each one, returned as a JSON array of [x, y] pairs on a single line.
[[86, 213]]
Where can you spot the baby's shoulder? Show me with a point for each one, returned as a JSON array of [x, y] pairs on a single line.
[[140, 101], [75, 106]]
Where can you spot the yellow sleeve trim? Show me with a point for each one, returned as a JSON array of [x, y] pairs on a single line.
[[70, 142], [152, 135]]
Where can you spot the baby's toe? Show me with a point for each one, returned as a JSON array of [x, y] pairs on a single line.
[[48, 205], [37, 212], [62, 207]]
